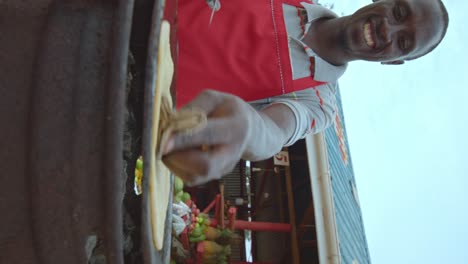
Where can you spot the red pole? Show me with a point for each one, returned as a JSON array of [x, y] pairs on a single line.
[[209, 207], [262, 226], [232, 217], [218, 200], [185, 240], [213, 222], [200, 250], [221, 217], [255, 226]]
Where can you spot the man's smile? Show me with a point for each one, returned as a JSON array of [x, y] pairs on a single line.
[[369, 35]]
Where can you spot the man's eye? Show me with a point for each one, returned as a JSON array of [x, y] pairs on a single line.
[[399, 12], [403, 43]]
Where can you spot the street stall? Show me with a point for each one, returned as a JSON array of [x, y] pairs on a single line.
[[306, 218], [87, 105]]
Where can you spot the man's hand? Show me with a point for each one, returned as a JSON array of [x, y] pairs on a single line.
[[234, 130], [225, 138]]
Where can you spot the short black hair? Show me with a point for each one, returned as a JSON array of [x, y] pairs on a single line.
[[445, 20]]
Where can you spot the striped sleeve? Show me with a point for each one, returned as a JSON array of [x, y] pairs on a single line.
[[314, 109]]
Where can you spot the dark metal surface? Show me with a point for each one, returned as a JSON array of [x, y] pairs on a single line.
[[62, 79]]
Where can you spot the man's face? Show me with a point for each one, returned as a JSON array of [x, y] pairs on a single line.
[[390, 30]]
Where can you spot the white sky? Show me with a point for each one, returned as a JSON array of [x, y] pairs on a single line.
[[407, 128]]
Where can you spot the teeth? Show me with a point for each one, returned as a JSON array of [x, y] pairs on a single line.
[[367, 35]]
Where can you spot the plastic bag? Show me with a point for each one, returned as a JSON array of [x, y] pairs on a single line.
[[181, 209], [178, 224]]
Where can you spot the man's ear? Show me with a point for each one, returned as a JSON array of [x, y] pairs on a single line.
[[395, 62]]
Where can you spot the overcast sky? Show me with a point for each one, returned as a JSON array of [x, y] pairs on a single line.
[[407, 130]]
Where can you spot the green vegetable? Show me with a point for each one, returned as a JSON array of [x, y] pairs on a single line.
[[186, 196], [196, 231], [227, 250], [139, 163], [222, 259], [197, 239], [226, 233], [203, 228], [178, 184], [200, 220], [206, 221], [178, 196], [204, 216]]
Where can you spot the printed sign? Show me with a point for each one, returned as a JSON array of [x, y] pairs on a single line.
[[341, 138], [281, 159]]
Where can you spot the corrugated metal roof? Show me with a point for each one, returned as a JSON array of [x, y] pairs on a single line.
[[350, 228]]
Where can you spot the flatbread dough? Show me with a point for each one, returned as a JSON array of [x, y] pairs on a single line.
[[159, 181], [165, 122]]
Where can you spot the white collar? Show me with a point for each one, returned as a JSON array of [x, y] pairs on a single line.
[[324, 71], [317, 11]]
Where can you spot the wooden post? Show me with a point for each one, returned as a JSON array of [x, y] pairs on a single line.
[[221, 212], [292, 217], [217, 207], [279, 185]]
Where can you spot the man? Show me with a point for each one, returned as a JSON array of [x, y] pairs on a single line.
[[287, 56]]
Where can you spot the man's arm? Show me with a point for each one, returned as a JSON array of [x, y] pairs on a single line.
[[276, 125], [234, 130]]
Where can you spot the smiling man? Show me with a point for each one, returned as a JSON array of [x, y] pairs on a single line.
[[272, 66], [386, 31]]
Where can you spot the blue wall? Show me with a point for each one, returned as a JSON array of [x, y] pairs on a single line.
[[351, 234]]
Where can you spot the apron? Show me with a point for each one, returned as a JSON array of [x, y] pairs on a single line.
[[243, 52]]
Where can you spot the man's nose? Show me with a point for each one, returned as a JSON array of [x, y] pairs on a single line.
[[389, 30]]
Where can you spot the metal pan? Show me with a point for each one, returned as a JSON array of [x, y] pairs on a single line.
[[62, 80]]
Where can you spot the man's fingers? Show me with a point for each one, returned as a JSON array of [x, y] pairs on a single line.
[[181, 171], [206, 101], [216, 132], [197, 167]]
